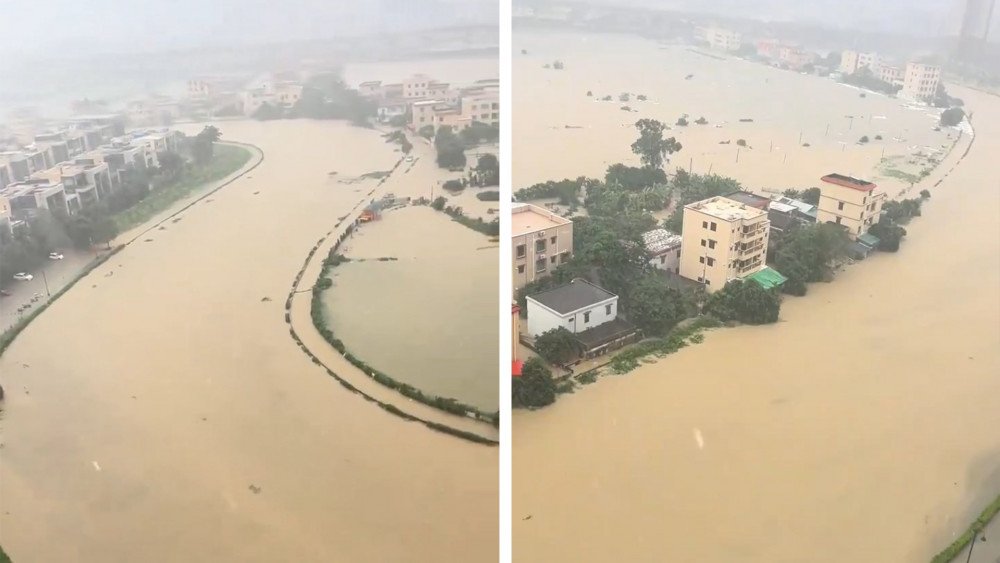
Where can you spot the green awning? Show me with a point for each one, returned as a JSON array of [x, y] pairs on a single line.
[[768, 278], [871, 241]]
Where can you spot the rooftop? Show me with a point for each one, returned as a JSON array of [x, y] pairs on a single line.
[[527, 218], [573, 296], [605, 332], [659, 240], [749, 198], [726, 209], [849, 182], [768, 278]]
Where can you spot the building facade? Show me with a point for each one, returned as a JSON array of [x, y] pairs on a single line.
[[851, 61], [723, 39], [576, 306], [852, 203], [664, 250], [920, 81], [723, 240], [541, 241]]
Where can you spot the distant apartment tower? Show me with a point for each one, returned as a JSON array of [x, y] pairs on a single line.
[[852, 203], [541, 241], [851, 61], [920, 81], [975, 30], [722, 240], [723, 39]]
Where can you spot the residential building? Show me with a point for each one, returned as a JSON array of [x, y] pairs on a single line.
[[723, 39], [749, 198], [481, 104], [769, 48], [723, 240], [891, 74], [24, 198], [389, 109], [920, 81], [785, 215], [88, 179], [586, 310], [370, 88], [795, 57], [423, 86], [541, 241], [664, 249], [516, 364], [855, 204], [851, 61]]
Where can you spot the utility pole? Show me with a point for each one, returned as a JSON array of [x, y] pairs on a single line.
[[972, 544], [690, 164], [827, 130], [800, 138], [46, 280], [737, 155]]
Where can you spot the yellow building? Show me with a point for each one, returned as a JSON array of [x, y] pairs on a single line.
[[855, 204], [542, 241], [723, 39], [722, 240], [851, 61], [920, 81]]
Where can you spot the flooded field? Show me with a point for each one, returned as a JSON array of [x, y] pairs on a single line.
[[865, 426], [165, 413], [425, 318], [788, 110]]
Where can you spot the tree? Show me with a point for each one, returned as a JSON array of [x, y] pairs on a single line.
[[741, 142], [203, 148], [488, 168], [651, 147], [450, 151], [889, 234], [951, 117], [811, 196], [439, 203], [453, 185], [863, 139], [744, 301], [171, 163], [633, 178], [478, 132], [806, 254], [701, 120], [558, 346], [558, 65], [682, 121], [427, 131], [535, 387], [654, 306]]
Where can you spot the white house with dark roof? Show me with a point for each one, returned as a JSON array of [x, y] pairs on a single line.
[[576, 306]]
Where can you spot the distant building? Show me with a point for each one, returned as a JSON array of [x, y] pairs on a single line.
[[891, 74], [586, 310], [852, 203], [920, 81], [723, 240], [723, 39], [541, 241], [851, 61], [786, 214], [25, 198], [769, 48], [516, 364], [664, 249], [795, 57], [749, 198]]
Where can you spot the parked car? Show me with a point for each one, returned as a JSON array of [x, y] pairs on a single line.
[[55, 256], [23, 276]]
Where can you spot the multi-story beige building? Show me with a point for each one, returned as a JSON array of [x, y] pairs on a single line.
[[722, 240], [855, 204], [723, 39], [541, 241], [851, 61], [891, 74], [920, 81]]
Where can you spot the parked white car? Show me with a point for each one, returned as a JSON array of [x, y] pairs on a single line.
[[23, 276], [55, 256]]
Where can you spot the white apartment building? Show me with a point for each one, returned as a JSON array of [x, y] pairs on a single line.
[[920, 81]]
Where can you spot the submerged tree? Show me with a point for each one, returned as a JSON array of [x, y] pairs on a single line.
[[651, 147], [535, 387]]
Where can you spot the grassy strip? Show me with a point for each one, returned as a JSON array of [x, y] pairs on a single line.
[[226, 160], [4, 558], [963, 540], [679, 337], [10, 334], [319, 320]]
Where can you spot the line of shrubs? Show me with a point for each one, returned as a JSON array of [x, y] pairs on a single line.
[[10, 334], [488, 228]]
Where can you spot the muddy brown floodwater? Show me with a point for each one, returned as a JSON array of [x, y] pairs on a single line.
[[865, 426], [164, 413]]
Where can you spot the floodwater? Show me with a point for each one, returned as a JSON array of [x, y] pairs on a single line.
[[460, 71], [398, 327], [165, 413], [865, 426], [561, 132]]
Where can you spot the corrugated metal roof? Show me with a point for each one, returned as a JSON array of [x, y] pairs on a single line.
[[768, 278]]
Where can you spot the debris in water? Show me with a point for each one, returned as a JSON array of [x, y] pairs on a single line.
[[528, 517], [96, 466], [255, 193], [25, 366], [254, 489], [263, 299], [148, 240]]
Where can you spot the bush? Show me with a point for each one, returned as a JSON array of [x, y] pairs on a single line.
[[589, 93], [558, 346], [951, 117], [925, 194], [878, 137], [701, 121], [535, 387], [488, 196], [454, 185], [863, 139], [439, 203], [682, 121], [889, 234], [741, 142]]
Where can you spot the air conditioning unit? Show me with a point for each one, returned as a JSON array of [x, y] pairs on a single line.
[[541, 234]]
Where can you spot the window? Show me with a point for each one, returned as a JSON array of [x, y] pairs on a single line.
[[520, 251], [840, 206], [607, 309], [704, 242], [586, 317], [701, 259], [711, 243], [663, 259], [838, 220], [553, 259], [704, 224], [711, 261], [678, 254], [712, 225], [540, 265], [708, 281], [565, 256], [520, 269], [552, 240], [540, 245]]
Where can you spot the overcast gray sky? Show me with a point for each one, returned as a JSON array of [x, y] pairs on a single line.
[[46, 27]]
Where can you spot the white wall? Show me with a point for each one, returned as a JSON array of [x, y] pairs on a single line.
[[542, 319], [670, 261]]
